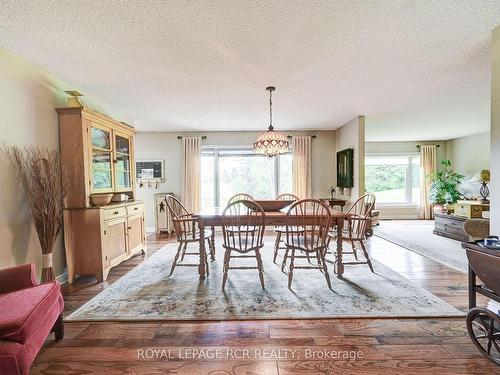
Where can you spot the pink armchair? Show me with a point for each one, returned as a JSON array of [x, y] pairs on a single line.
[[28, 313]]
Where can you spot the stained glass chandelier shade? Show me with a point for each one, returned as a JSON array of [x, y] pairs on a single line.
[[272, 142]]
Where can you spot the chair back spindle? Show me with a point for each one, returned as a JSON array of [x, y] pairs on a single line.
[[313, 218], [243, 226], [239, 197], [287, 197], [184, 225], [360, 215]]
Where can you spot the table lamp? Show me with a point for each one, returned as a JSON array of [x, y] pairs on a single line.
[[483, 176]]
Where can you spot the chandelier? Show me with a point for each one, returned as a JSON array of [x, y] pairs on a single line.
[[271, 143]]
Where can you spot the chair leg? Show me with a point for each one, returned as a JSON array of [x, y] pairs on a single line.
[[285, 257], [367, 256], [227, 256], [325, 271], [58, 328], [184, 252], [176, 258], [206, 264], [319, 256], [290, 272], [354, 250], [276, 246], [260, 267], [212, 248]]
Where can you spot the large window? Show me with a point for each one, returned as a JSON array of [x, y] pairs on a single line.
[[227, 171], [394, 179]]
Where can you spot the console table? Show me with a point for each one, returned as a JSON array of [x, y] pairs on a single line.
[[335, 202], [450, 226]]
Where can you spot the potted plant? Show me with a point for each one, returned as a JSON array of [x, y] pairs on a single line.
[[444, 188]]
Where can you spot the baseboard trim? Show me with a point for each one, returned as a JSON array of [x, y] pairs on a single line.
[[62, 278], [398, 217]]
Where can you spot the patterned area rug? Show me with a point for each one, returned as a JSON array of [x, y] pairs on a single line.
[[147, 293], [417, 236]]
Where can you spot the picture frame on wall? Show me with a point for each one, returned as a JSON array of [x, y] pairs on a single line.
[[345, 168]]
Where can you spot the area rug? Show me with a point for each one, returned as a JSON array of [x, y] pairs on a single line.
[[417, 236], [147, 293]]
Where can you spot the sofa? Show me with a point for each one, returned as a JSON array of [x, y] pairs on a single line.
[[28, 313]]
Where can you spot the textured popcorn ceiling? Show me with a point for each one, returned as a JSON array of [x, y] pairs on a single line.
[[417, 69]]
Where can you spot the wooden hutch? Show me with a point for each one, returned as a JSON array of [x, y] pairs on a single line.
[[98, 158]]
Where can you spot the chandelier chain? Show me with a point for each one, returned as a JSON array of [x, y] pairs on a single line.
[[270, 109]]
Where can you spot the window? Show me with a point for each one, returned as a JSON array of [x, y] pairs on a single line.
[[227, 171], [393, 178]]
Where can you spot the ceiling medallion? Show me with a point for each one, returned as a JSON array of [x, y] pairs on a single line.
[[271, 143]]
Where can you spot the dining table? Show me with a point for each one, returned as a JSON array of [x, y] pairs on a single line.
[[213, 217]]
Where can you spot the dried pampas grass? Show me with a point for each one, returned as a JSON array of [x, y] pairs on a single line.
[[41, 175]]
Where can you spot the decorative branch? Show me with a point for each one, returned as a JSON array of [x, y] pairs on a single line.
[[41, 175]]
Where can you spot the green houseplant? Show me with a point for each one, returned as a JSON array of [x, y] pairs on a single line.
[[445, 186]]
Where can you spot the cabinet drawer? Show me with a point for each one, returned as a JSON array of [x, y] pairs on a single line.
[[135, 209], [112, 213]]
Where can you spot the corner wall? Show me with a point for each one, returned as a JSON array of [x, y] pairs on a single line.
[[470, 154], [352, 135], [495, 133]]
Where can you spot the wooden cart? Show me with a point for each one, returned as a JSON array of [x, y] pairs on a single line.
[[483, 324]]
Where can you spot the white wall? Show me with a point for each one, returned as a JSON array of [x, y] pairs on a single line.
[[395, 211], [495, 133], [470, 154], [352, 135], [27, 117], [405, 147], [166, 146]]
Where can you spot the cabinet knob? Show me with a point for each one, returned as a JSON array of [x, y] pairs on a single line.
[[129, 228], [115, 213]]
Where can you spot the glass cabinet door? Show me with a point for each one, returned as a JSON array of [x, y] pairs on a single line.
[[102, 179], [123, 176]]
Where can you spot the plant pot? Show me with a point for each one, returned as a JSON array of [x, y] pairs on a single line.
[[438, 209]]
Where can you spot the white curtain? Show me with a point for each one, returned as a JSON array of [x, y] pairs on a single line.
[[427, 167], [302, 180], [191, 156]]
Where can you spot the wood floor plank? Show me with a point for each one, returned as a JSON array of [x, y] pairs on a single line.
[[389, 346]]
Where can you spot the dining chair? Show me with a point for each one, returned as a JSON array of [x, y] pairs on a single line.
[[243, 236], [354, 230], [187, 231], [314, 219], [281, 230], [239, 197]]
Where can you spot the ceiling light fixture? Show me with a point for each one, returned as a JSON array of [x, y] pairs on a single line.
[[271, 143]]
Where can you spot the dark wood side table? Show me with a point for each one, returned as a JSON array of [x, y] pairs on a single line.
[[484, 264], [335, 202], [483, 325]]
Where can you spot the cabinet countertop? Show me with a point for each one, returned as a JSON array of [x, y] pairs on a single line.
[[110, 205]]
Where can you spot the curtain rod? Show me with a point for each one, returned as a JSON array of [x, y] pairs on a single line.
[[203, 137], [418, 146], [312, 136]]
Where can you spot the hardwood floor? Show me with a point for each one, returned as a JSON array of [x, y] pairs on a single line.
[[379, 346]]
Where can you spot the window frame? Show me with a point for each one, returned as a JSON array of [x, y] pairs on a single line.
[[242, 151], [408, 177]]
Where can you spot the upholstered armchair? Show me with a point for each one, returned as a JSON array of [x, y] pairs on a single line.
[[28, 313]]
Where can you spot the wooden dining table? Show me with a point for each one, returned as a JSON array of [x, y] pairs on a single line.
[[213, 217]]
